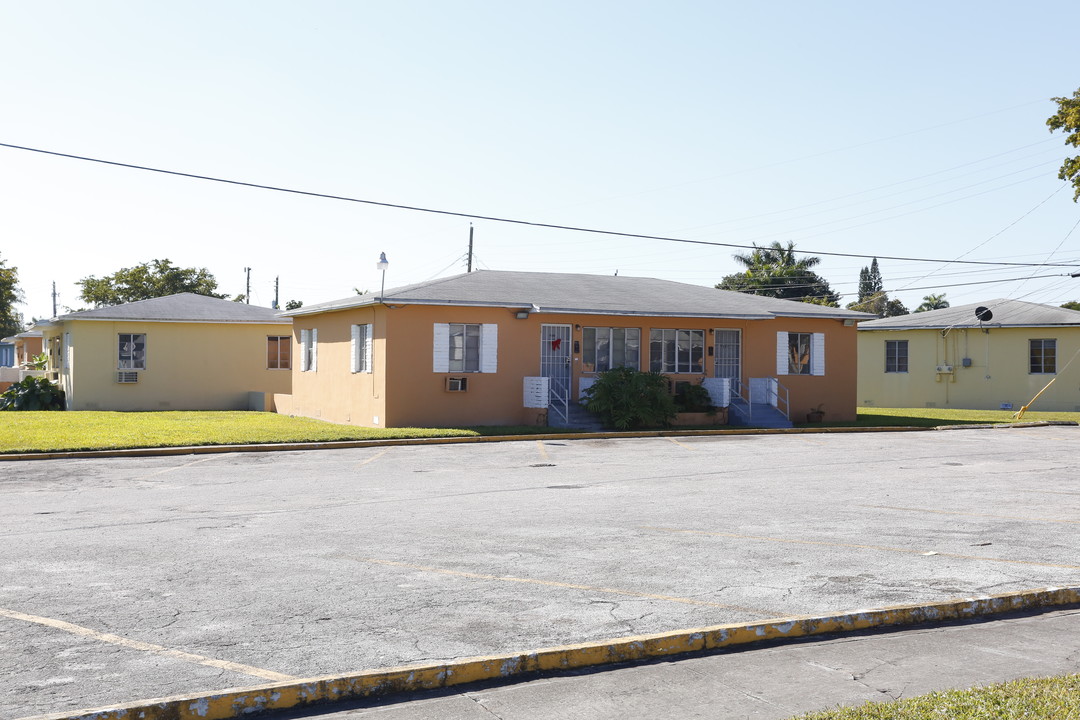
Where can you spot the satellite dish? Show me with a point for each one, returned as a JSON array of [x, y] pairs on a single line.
[[984, 314]]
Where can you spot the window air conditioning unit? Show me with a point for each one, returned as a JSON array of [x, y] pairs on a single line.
[[127, 376], [457, 384]]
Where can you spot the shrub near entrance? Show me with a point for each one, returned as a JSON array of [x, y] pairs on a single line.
[[32, 393], [626, 399]]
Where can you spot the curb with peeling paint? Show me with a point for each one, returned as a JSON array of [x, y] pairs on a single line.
[[238, 702], [348, 444]]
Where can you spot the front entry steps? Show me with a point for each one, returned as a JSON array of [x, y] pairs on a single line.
[[759, 415], [577, 417]]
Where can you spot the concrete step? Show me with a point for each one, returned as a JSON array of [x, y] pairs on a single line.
[[577, 417], [759, 415]]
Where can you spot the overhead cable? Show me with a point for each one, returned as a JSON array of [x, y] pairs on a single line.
[[490, 218]]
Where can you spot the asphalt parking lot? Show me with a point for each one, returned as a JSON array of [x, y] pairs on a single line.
[[124, 579]]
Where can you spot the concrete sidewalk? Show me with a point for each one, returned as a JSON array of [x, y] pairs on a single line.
[[764, 682]]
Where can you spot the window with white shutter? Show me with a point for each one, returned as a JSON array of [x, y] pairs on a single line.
[[800, 353], [361, 348], [817, 354], [440, 357], [309, 350], [465, 347], [489, 348]]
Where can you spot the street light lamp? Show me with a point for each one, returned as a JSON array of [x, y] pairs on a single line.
[[382, 265]]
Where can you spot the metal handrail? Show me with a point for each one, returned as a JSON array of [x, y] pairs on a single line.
[[736, 389], [558, 395], [783, 398]]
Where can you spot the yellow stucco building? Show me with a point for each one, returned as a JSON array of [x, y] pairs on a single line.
[[993, 359], [179, 352]]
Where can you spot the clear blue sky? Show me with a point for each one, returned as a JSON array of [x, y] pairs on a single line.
[[914, 129]]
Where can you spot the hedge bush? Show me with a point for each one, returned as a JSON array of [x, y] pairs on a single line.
[[627, 399]]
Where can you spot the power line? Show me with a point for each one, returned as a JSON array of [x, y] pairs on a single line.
[[999, 232], [511, 221], [875, 189], [751, 288]]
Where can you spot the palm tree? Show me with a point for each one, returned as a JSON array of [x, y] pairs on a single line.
[[774, 270], [933, 302]]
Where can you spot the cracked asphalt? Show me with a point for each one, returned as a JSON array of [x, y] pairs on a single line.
[[124, 579]]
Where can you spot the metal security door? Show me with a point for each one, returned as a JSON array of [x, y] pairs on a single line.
[[555, 365], [728, 355]]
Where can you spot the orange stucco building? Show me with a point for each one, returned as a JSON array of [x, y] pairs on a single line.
[[508, 348]]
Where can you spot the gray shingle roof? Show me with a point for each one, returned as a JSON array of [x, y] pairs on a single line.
[[594, 294], [1007, 313], [183, 307]]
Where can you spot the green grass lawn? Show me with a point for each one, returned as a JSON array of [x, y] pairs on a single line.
[[1056, 698], [86, 430], [932, 417], [45, 431]]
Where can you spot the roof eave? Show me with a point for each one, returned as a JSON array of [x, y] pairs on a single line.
[[984, 326], [69, 318]]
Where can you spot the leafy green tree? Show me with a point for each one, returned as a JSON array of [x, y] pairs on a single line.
[[10, 294], [1071, 305], [826, 300], [870, 282], [1067, 119], [774, 271], [894, 308], [294, 304], [933, 302], [872, 296], [156, 278], [880, 305]]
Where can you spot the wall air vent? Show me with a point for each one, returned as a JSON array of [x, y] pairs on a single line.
[[457, 384], [127, 376]]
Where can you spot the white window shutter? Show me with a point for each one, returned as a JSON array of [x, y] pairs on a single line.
[[314, 349], [440, 358], [305, 341], [355, 349], [369, 342], [817, 354], [489, 348], [781, 353]]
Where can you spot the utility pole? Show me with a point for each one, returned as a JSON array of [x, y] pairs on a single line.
[[247, 295], [469, 266], [277, 281], [54, 298]]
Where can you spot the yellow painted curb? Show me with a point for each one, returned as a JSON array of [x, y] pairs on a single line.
[[237, 702], [349, 444]]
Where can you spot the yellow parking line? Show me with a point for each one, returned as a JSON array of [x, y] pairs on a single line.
[[543, 450], [570, 586], [180, 467], [682, 445], [146, 647], [373, 458], [967, 514], [859, 547]]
